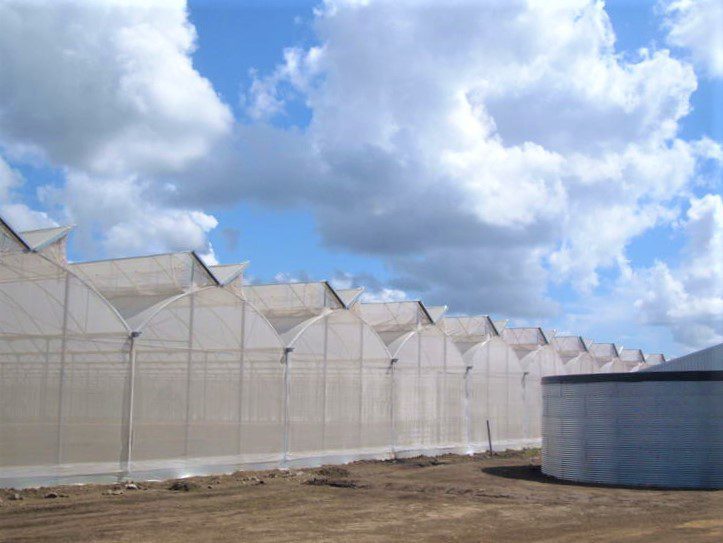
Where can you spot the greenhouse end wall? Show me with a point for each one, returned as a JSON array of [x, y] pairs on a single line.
[[64, 373]]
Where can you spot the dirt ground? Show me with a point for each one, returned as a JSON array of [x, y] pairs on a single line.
[[451, 498]]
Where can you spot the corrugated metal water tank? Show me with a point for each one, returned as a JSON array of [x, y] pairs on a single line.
[[660, 429]]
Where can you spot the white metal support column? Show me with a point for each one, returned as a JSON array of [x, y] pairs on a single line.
[[392, 406], [189, 368], [324, 384], [241, 371], [361, 385], [285, 404], [421, 415], [61, 376], [128, 405], [467, 410]]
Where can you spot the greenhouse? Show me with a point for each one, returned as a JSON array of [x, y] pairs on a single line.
[[650, 361], [429, 386], [632, 358], [64, 366], [654, 359], [494, 383], [626, 360], [207, 385], [604, 354], [538, 359], [436, 312], [337, 373], [162, 366], [575, 354]]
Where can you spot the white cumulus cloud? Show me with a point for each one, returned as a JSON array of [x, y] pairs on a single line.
[[696, 26], [16, 213], [689, 298], [483, 149], [107, 90]]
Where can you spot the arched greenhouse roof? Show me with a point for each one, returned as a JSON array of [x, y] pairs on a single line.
[[655, 358], [10, 240], [525, 340], [436, 312], [604, 352], [573, 350], [426, 343], [392, 320], [136, 284], [632, 356], [37, 240], [39, 297], [294, 309], [534, 350], [467, 332], [288, 306]]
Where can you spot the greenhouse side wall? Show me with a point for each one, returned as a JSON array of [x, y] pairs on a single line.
[[208, 387], [429, 403], [202, 382], [497, 408], [64, 368], [339, 392]]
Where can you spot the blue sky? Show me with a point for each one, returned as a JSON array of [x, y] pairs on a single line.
[[233, 39], [576, 184], [237, 37]]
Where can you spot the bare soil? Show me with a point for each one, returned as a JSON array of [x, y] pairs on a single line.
[[502, 497]]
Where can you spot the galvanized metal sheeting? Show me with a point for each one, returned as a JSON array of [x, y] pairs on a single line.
[[637, 432], [706, 359]]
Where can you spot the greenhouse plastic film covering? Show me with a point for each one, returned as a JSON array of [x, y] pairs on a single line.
[[208, 384], [495, 384], [538, 359], [134, 285], [393, 319], [339, 389], [64, 368], [575, 355], [429, 394], [159, 366], [337, 373]]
